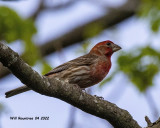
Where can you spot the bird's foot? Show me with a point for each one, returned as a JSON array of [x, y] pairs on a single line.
[[83, 90], [78, 88], [99, 97]]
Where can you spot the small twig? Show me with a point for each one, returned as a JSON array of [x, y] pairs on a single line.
[[156, 124], [38, 10], [152, 104], [149, 123]]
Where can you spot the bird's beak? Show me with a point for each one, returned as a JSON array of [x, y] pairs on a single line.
[[115, 47]]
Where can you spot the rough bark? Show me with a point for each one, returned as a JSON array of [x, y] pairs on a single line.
[[118, 117]]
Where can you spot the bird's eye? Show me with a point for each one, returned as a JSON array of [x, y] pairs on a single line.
[[108, 44]]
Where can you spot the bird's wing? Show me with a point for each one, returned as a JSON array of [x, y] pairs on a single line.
[[58, 69], [87, 59]]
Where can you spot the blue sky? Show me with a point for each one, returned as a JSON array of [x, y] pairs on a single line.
[[30, 104]]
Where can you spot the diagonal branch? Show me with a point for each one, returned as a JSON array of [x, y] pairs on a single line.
[[111, 18], [42, 7], [118, 117]]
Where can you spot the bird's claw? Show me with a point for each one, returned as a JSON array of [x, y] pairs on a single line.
[[77, 86], [83, 90], [99, 97]]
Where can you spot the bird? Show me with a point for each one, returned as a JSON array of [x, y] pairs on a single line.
[[84, 71]]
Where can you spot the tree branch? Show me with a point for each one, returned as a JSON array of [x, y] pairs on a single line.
[[118, 117], [112, 17], [38, 10], [42, 7]]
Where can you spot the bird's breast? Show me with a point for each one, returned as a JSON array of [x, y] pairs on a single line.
[[100, 70]]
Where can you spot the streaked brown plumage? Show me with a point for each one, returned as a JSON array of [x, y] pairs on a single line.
[[83, 71]]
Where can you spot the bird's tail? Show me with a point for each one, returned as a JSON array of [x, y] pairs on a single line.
[[17, 91]]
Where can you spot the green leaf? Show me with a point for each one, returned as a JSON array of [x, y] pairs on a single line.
[[155, 25], [149, 9], [140, 66], [13, 27]]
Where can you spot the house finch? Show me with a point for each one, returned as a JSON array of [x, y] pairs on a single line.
[[83, 71]]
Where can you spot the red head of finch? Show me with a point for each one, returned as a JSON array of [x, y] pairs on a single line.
[[84, 71]]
